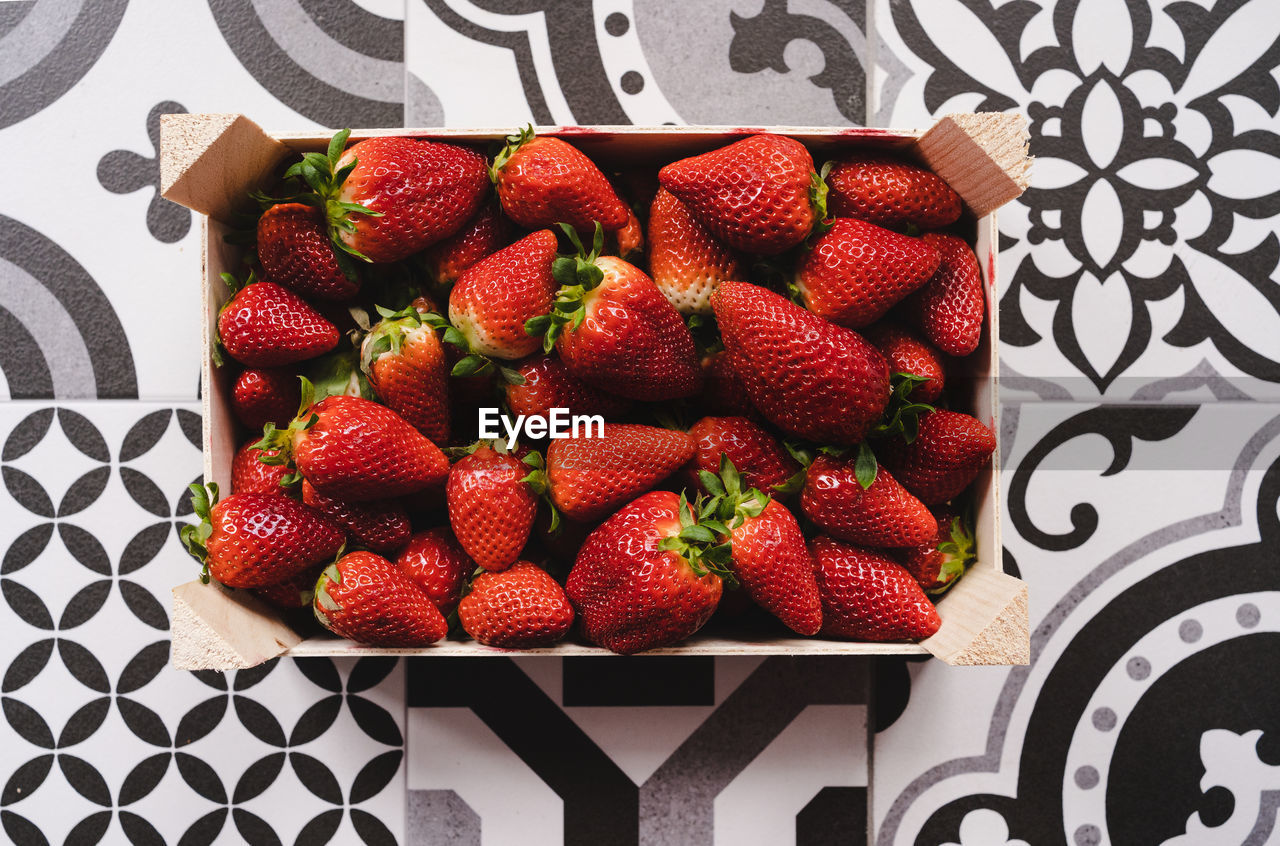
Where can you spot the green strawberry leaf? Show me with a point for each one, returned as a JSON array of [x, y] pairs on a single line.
[[865, 466]]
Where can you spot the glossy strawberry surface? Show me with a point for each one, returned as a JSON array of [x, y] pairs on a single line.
[[629, 594], [885, 514], [295, 251], [759, 458], [548, 181], [907, 352], [483, 235], [359, 450], [381, 525], [368, 599], [520, 608], [437, 564], [809, 377], [265, 395], [947, 454], [424, 191], [869, 596], [412, 380], [294, 592], [632, 341], [890, 192], [857, 271], [685, 260], [949, 309], [490, 509], [591, 477], [249, 475], [773, 565], [494, 298], [261, 539], [266, 325], [548, 384], [752, 194]]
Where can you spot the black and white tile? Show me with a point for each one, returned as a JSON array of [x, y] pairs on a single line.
[[1139, 295]]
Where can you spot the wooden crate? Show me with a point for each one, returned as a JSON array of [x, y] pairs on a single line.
[[208, 163]]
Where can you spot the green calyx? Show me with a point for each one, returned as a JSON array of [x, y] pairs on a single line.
[[701, 542], [901, 415], [281, 440], [959, 552], [338, 373], [865, 465], [195, 536], [540, 484], [514, 142], [473, 363], [577, 274], [387, 335], [729, 504], [818, 201], [319, 172]]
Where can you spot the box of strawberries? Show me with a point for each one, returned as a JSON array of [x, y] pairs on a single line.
[[598, 390]]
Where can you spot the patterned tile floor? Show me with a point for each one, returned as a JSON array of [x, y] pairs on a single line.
[[1141, 435]]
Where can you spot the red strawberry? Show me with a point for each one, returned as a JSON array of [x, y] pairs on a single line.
[[759, 195], [628, 242], [807, 376], [254, 540], [380, 525], [249, 475], [269, 395], [486, 233], [544, 181], [437, 564], [724, 392], [947, 454], [519, 608], [366, 598], [867, 596], [890, 192], [757, 455], [295, 251], [407, 366], [356, 450], [854, 273], [548, 384], [491, 509], [494, 298], [884, 514], [950, 307], [294, 592], [589, 478], [686, 261], [420, 192], [768, 552], [616, 331], [634, 584], [265, 325], [907, 353], [937, 564]]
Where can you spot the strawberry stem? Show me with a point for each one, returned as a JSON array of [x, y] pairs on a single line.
[[514, 142], [195, 536]]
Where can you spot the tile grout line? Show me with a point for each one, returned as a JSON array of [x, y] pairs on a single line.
[[870, 72]]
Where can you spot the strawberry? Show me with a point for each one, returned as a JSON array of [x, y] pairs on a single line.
[[483, 235], [908, 353], [494, 298], [392, 197], [266, 395], [628, 242], [543, 181], [254, 540], [686, 261], [769, 557], [947, 454], [265, 325], [294, 592], [949, 309], [548, 384], [356, 450], [890, 192], [807, 376], [867, 596], [757, 455], [884, 514], [491, 509], [249, 475], [640, 580], [943, 559], [295, 251], [520, 608], [366, 598], [724, 392], [437, 564], [854, 273], [758, 195], [589, 478], [616, 331], [407, 366], [380, 525]]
